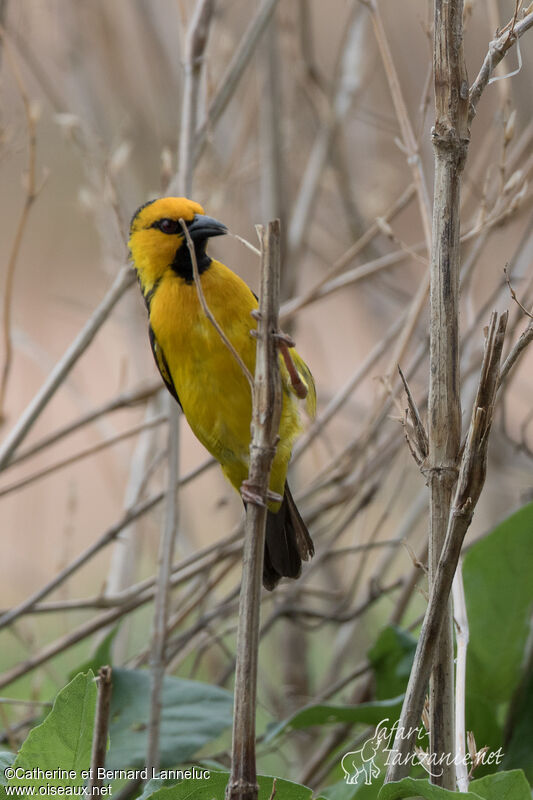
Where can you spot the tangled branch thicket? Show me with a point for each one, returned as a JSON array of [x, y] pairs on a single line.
[[321, 117]]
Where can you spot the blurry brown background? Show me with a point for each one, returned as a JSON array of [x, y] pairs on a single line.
[[105, 79]]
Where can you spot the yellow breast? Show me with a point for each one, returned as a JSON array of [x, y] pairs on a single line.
[[214, 393]]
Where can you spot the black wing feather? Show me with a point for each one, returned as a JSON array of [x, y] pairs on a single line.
[[162, 365]]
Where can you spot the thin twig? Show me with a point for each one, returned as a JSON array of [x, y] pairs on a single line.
[[242, 784], [124, 280], [101, 727], [497, 50], [31, 192], [418, 426], [207, 311], [526, 337], [162, 596], [400, 107], [231, 78], [513, 294], [195, 47], [110, 534], [197, 36], [81, 454], [134, 601], [462, 636], [128, 399]]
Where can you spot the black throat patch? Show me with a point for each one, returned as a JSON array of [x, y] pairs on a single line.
[[182, 264]]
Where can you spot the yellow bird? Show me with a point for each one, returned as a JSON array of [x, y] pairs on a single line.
[[200, 371]]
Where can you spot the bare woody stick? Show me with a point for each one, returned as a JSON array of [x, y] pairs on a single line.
[[197, 36], [101, 727], [266, 396], [123, 281], [470, 483], [450, 141]]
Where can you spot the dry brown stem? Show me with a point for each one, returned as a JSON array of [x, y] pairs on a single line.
[[197, 36], [469, 485], [266, 396], [101, 727], [450, 141], [31, 192], [497, 50]]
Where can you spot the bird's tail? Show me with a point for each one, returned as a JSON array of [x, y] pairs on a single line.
[[287, 542]]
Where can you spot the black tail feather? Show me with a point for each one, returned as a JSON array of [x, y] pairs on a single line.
[[287, 542]]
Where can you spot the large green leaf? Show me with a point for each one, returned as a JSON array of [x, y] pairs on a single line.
[[391, 658], [6, 760], [353, 791], [63, 741], [510, 785], [421, 787], [498, 786], [193, 714], [499, 593], [519, 748], [214, 789], [327, 714]]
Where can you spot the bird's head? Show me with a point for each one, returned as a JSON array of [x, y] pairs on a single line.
[[157, 242]]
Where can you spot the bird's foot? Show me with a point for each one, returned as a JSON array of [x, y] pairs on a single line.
[[250, 494], [284, 342], [283, 338]]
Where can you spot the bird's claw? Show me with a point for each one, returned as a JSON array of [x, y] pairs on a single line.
[[282, 338], [250, 494]]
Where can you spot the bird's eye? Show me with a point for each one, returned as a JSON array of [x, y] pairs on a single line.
[[168, 225]]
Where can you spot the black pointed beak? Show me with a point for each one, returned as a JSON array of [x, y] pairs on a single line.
[[203, 227]]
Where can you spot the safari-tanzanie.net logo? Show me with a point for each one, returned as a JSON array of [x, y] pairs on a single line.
[[359, 766]]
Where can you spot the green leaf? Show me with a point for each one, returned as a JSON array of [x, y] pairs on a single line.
[[499, 786], [392, 658], [510, 785], [421, 787], [214, 789], [349, 791], [63, 741], [518, 750], [101, 656], [6, 760], [499, 592], [327, 714], [193, 714]]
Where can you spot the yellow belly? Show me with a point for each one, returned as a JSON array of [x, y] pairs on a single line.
[[213, 391]]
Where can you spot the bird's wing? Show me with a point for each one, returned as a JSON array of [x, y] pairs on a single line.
[[162, 365]]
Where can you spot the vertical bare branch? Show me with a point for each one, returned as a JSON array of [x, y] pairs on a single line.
[[470, 483], [450, 141], [234, 73], [30, 195], [274, 194], [196, 43], [194, 55], [266, 395], [462, 635], [162, 597], [101, 727]]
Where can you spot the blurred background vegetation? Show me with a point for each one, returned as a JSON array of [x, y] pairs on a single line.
[[91, 91]]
